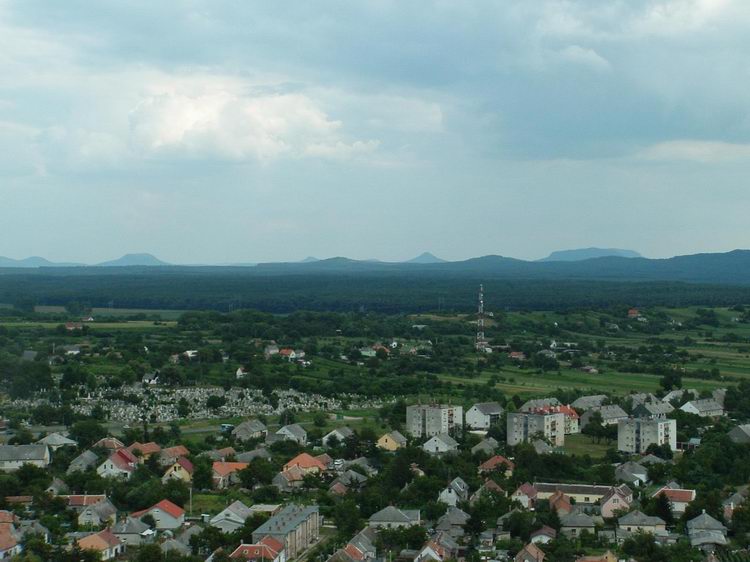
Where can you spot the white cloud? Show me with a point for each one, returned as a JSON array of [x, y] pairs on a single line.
[[696, 151], [226, 118], [583, 56]]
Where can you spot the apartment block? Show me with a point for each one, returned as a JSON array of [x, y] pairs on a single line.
[[429, 420]]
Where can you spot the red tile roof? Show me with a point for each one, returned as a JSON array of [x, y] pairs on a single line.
[[306, 462], [145, 448], [164, 505], [83, 500], [676, 494], [223, 468], [493, 463]]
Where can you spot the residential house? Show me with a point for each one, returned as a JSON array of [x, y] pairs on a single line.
[[338, 435], [608, 556], [632, 473], [543, 535], [108, 443], [220, 454], [169, 455], [489, 487], [487, 446], [13, 457], [735, 500], [639, 521], [268, 549], [740, 434], [636, 399], [250, 429], [560, 503], [249, 456], [167, 515], [526, 495], [96, 514], [434, 419], [614, 501], [104, 543], [440, 444], [656, 410], [293, 432], [296, 527], [83, 462], [57, 440], [679, 498], [441, 547], [705, 408], [610, 414], [182, 469], [484, 415], [706, 533], [307, 464], [231, 517], [531, 405], [361, 548], [452, 521], [575, 523], [288, 480], [120, 464], [133, 532], [497, 463], [587, 402], [530, 553], [391, 517], [225, 473], [454, 493], [580, 493], [144, 451], [392, 441]]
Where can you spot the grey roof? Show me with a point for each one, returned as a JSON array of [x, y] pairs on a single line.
[[295, 429], [453, 516], [82, 462], [704, 522], [701, 538], [398, 437], [247, 456], [103, 509], [174, 545], [249, 427], [576, 519], [630, 471], [638, 518], [393, 514], [538, 403], [130, 526], [57, 440], [10, 453], [488, 445], [652, 459], [460, 486], [239, 509], [610, 412], [740, 434], [286, 520], [736, 498], [446, 439], [653, 409], [489, 408], [586, 402], [350, 477], [29, 355], [542, 447], [705, 405], [339, 432], [32, 526]]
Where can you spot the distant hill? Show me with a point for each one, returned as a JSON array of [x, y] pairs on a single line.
[[309, 259], [581, 254], [426, 257], [134, 260], [33, 261]]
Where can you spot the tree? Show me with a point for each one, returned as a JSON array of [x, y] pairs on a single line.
[[87, 432]]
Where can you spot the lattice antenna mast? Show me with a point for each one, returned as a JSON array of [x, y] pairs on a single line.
[[480, 319]]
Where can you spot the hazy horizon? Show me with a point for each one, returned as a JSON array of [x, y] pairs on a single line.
[[217, 132]]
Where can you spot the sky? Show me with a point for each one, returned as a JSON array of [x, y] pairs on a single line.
[[222, 131]]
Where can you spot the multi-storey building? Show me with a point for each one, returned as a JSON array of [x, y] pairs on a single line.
[[523, 427], [296, 527], [428, 420], [636, 435]]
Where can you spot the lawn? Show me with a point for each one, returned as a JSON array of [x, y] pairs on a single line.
[[579, 444]]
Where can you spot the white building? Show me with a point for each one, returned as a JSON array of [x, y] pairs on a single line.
[[428, 420], [484, 415], [522, 428], [636, 435]]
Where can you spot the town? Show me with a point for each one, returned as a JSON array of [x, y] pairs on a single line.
[[302, 437]]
